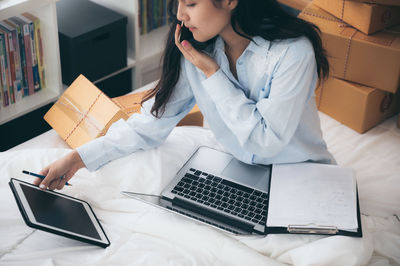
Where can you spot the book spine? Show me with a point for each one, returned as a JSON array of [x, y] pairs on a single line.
[[8, 69], [39, 53], [17, 64], [24, 69], [145, 16], [3, 71], [35, 67], [28, 57], [140, 16], [13, 80]]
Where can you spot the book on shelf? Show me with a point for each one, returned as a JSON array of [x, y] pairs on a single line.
[[152, 14], [35, 67], [21, 58], [21, 43], [38, 47], [28, 53], [14, 54], [7, 73], [3, 61]]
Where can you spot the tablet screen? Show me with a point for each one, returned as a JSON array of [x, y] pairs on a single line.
[[59, 212]]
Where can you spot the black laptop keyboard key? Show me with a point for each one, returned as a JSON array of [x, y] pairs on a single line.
[[193, 177], [257, 193], [223, 195], [197, 173], [217, 179], [237, 186]]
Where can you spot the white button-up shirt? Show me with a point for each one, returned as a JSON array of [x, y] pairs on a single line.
[[267, 115]]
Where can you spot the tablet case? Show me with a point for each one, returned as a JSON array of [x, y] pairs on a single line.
[[30, 224]]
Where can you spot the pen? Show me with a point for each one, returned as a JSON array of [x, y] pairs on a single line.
[[41, 176]]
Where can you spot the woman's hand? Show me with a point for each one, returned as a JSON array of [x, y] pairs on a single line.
[[202, 61], [60, 171]]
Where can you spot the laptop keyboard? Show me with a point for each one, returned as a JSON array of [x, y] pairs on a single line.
[[223, 195]]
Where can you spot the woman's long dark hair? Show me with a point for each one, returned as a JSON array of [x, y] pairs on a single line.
[[264, 18]]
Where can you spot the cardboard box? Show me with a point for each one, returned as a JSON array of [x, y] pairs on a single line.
[[366, 17], [380, 2], [193, 118], [83, 112], [357, 106], [130, 104], [372, 60]]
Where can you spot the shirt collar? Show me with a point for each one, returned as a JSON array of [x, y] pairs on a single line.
[[258, 45]]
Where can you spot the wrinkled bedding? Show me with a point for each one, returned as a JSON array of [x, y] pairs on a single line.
[[144, 235]]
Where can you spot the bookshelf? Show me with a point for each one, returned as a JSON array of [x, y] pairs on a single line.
[[144, 51], [45, 10]]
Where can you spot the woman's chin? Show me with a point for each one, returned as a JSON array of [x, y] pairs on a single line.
[[201, 39]]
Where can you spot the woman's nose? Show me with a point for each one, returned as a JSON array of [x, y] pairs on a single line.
[[181, 14]]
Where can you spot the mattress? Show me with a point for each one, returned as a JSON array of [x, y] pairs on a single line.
[[141, 234]]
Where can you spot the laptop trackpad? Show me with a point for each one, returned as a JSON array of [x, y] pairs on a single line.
[[255, 176]]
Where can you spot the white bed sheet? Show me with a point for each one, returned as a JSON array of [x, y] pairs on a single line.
[[144, 235]]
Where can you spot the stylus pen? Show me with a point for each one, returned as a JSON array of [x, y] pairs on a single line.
[[41, 176]]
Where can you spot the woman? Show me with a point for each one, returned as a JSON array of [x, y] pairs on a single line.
[[251, 68]]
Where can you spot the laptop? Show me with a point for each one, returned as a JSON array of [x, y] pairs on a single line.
[[215, 188], [299, 198]]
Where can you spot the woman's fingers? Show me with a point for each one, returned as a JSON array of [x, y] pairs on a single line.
[[65, 179], [47, 182], [199, 59], [178, 43], [36, 181], [54, 183]]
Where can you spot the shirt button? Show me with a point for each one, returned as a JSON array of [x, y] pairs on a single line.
[[240, 63]]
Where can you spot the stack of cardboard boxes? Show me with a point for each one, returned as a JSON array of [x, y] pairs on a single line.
[[363, 47]]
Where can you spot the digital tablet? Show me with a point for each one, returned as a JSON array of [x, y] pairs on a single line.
[[58, 213]]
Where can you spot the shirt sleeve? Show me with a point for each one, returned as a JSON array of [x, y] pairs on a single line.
[[265, 127], [141, 131]]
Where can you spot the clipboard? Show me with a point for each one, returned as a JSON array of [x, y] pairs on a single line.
[[312, 228]]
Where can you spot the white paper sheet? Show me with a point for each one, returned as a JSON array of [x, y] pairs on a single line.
[[312, 194]]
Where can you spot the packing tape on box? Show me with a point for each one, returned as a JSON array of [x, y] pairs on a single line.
[[351, 33], [82, 118]]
